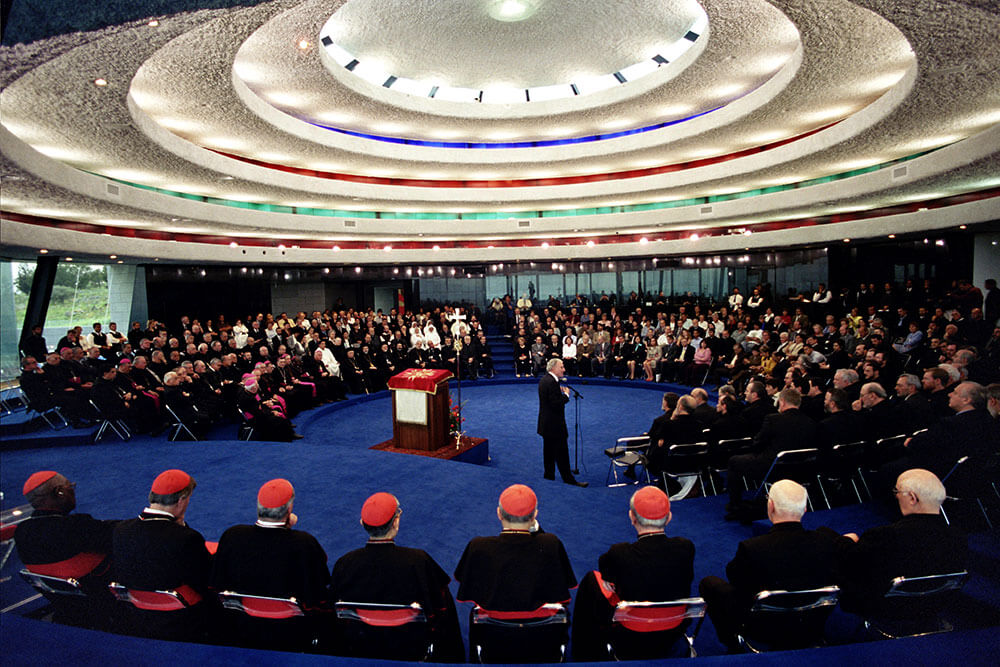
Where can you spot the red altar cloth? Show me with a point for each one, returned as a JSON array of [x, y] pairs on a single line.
[[420, 379]]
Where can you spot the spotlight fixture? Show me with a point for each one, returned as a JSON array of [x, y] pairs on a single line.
[[100, 82]]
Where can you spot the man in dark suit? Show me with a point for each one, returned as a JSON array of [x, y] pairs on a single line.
[[910, 407], [552, 400], [787, 557], [842, 425], [969, 432], [157, 552], [919, 544], [654, 567], [758, 407], [788, 429]]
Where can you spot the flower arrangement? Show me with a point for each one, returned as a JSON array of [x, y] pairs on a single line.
[[455, 417]]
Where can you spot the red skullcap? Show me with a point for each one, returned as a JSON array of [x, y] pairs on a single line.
[[170, 481], [124, 362], [379, 509], [250, 381], [518, 500], [275, 493], [651, 503], [38, 479]]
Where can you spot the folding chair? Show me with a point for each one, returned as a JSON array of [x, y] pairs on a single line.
[[628, 452], [384, 631], [260, 606], [686, 464], [258, 621], [965, 490], [539, 635], [13, 401], [650, 630], [47, 414], [719, 455], [780, 620], [176, 425], [799, 465], [846, 461], [245, 431], [177, 599], [48, 584], [106, 423], [912, 606]]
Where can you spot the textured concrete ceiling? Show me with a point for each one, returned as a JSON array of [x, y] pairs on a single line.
[[230, 126]]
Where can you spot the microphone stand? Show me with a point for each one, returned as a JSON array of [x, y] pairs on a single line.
[[576, 429]]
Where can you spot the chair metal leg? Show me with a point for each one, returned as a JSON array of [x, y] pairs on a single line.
[[985, 515], [826, 500]]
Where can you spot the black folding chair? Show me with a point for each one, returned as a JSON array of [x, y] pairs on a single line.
[[845, 464], [913, 606], [628, 453], [177, 426], [650, 630], [384, 631], [538, 635], [798, 465], [965, 489], [719, 455], [118, 426], [686, 464], [780, 620]]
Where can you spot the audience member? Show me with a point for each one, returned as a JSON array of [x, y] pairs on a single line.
[[382, 572], [653, 568], [788, 557]]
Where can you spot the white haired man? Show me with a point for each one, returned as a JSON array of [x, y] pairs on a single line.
[[788, 557]]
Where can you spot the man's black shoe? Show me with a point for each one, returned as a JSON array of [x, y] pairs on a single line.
[[297, 437], [582, 485]]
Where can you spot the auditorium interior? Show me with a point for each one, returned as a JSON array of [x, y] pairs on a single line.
[[229, 158]]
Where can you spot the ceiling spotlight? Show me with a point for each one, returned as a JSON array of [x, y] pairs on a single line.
[[326, 270], [112, 256], [121, 261], [892, 236], [43, 251], [963, 226], [233, 244], [304, 44], [100, 82], [336, 248], [357, 269], [387, 248], [545, 244], [68, 259], [512, 10], [436, 248], [643, 240], [591, 243], [153, 23], [694, 237], [847, 240]]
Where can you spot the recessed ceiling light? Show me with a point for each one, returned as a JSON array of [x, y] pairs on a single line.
[[304, 44], [512, 10], [43, 251], [100, 82], [153, 23], [68, 259], [112, 256]]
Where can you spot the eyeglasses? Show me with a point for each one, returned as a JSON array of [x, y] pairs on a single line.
[[897, 491]]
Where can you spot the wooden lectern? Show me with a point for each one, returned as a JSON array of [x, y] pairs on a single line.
[[420, 408]]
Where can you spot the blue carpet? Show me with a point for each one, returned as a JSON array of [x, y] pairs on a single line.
[[445, 503]]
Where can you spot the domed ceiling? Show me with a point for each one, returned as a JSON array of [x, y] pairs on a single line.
[[384, 131]]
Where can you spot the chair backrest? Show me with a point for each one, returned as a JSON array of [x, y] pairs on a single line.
[[689, 449], [794, 602], [928, 585], [797, 456], [260, 606], [657, 616], [958, 463], [731, 445], [381, 615], [169, 600], [173, 415], [48, 584], [632, 442], [548, 614]]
